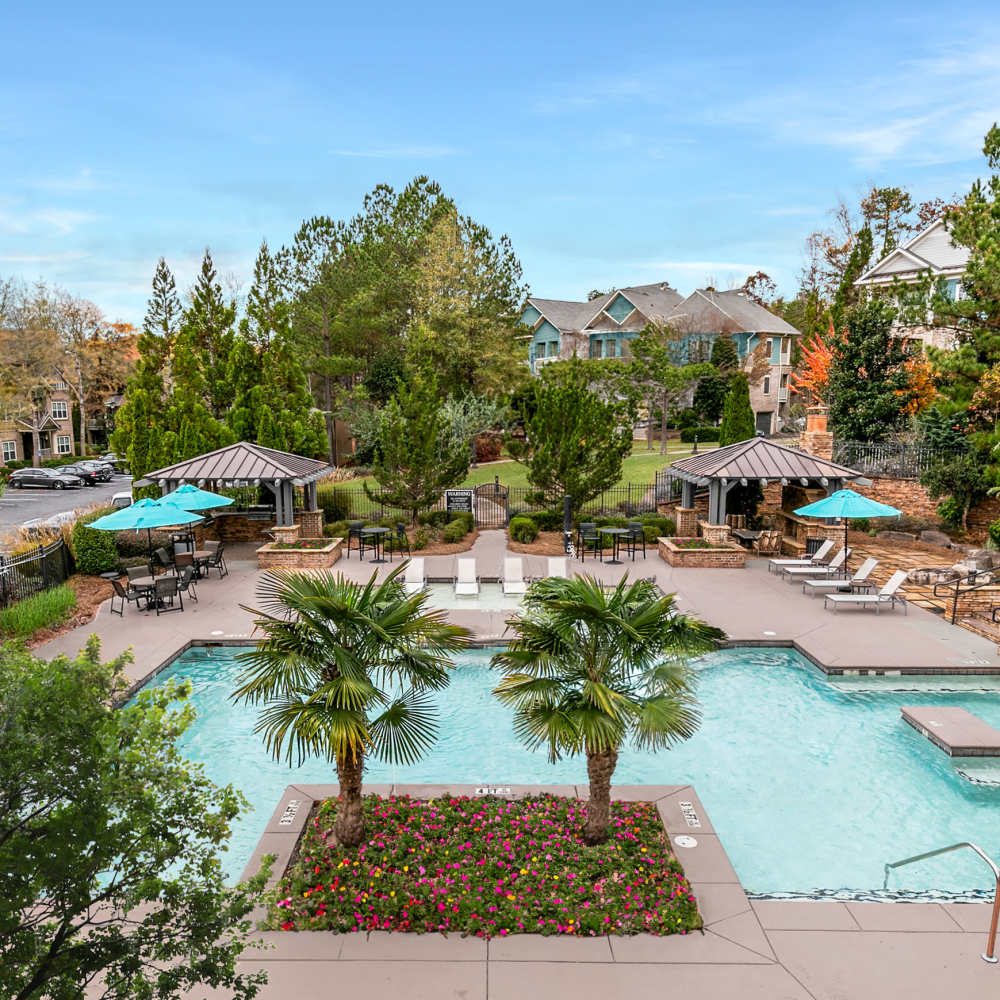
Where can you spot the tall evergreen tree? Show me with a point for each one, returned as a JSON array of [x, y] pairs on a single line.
[[737, 414], [869, 382], [857, 263], [415, 458], [724, 355]]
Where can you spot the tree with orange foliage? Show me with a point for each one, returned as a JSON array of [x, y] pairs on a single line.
[[922, 388], [813, 378]]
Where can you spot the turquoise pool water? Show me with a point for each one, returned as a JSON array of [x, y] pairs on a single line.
[[812, 786]]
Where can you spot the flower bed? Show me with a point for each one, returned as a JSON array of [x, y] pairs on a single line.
[[306, 553], [486, 867], [701, 553]]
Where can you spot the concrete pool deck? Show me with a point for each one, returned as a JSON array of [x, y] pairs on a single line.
[[766, 949], [752, 606]]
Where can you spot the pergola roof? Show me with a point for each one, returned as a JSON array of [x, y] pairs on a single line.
[[242, 462], [758, 458]]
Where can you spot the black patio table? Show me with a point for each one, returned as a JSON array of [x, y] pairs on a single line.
[[745, 535], [616, 539], [376, 534]]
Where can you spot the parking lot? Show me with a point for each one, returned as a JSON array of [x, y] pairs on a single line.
[[20, 505]]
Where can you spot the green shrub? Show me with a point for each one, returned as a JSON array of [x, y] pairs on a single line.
[[42, 610], [335, 529], [420, 539], [336, 506], [703, 433], [661, 523], [94, 551], [433, 518], [454, 531], [523, 529], [547, 520], [860, 524], [995, 533], [465, 517], [950, 511]]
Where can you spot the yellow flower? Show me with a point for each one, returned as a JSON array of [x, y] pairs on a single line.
[[393, 893], [510, 895], [524, 871]]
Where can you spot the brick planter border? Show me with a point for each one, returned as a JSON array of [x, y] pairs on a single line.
[[722, 556], [269, 557]]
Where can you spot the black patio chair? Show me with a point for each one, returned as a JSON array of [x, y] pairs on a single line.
[[635, 538], [217, 561], [134, 572], [126, 597], [589, 537], [400, 542], [166, 591], [185, 583], [354, 531], [163, 559]]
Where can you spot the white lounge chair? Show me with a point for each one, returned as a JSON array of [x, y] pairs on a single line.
[[513, 576], [558, 566], [887, 595], [818, 586], [832, 568], [466, 580], [776, 565], [415, 578]]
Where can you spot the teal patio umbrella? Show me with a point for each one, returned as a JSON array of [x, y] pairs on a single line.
[[189, 497], [847, 504], [145, 514]]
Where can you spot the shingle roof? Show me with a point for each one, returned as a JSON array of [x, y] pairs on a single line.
[[728, 312], [654, 301], [242, 461], [569, 315], [759, 458]]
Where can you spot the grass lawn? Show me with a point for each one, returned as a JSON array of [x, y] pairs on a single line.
[[489, 868], [639, 467]]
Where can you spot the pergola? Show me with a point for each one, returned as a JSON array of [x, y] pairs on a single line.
[[245, 464], [756, 460]]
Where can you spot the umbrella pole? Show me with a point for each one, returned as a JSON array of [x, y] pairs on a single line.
[[846, 555]]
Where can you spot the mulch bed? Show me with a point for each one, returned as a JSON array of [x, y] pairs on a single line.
[[548, 543], [488, 868], [91, 593]]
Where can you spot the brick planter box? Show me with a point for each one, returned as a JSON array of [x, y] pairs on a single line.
[[269, 557], [721, 556]]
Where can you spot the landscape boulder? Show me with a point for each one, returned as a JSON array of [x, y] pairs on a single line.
[[935, 538]]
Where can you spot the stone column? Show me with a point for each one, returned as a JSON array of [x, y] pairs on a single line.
[[311, 523], [687, 522], [286, 532]]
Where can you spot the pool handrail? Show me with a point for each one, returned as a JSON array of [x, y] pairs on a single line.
[[991, 940]]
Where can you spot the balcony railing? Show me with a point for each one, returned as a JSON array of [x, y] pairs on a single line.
[[783, 395]]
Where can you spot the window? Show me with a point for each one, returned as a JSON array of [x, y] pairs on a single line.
[[596, 348], [610, 348], [60, 386], [539, 350], [553, 348], [784, 380], [767, 385], [60, 409], [768, 348], [62, 444], [10, 451]]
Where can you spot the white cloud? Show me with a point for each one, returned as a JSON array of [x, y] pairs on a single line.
[[64, 220]]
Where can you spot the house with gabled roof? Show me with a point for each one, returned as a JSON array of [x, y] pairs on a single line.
[[605, 326], [931, 253]]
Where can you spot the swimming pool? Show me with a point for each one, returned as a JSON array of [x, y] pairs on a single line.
[[811, 786]]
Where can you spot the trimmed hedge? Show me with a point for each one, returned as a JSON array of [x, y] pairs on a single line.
[[704, 433], [94, 551], [523, 529]]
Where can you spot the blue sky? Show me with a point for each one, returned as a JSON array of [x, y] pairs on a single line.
[[615, 144]]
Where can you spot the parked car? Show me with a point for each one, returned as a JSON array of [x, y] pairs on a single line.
[[52, 479], [122, 499], [114, 460], [103, 470], [90, 476]]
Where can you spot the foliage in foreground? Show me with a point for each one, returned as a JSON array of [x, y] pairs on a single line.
[[110, 875], [487, 867], [45, 609]]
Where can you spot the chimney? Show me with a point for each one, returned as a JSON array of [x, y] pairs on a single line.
[[816, 439]]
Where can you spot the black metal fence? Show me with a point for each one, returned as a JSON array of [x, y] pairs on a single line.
[[494, 504], [902, 461], [32, 572]]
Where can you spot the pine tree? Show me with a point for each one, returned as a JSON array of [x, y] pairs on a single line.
[[857, 264], [737, 415], [870, 385], [725, 357], [414, 461]]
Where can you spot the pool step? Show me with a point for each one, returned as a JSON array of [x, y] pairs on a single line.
[[954, 730]]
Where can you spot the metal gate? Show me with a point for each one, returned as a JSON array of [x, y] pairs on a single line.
[[491, 505]]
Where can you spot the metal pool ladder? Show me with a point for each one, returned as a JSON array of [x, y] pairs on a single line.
[[991, 941]]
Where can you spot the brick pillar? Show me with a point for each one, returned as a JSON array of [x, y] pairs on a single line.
[[686, 519], [311, 523], [715, 533], [816, 439], [286, 532]]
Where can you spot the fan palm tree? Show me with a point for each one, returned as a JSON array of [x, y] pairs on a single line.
[[345, 670], [589, 668]]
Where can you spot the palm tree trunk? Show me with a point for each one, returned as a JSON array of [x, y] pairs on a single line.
[[350, 823], [600, 767]]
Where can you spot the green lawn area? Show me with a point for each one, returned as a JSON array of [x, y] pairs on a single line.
[[640, 467]]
